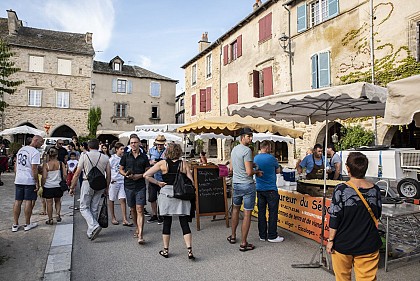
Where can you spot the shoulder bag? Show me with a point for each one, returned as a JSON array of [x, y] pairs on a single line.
[[183, 186], [375, 220], [63, 184], [103, 214]]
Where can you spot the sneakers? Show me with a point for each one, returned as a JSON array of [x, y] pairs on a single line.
[[160, 220], [153, 219], [30, 226], [15, 227], [261, 239], [277, 240], [146, 213], [95, 233]]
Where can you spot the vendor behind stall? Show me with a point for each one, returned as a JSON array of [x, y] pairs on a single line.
[[314, 164], [335, 163]]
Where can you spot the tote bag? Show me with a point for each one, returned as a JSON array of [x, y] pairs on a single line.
[[183, 186]]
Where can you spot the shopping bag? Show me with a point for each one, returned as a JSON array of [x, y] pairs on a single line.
[[103, 214]]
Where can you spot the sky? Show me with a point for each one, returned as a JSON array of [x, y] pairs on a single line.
[[159, 35]]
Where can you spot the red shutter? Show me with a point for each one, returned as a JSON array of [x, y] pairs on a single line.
[[202, 100], [232, 93], [193, 105], [261, 29], [208, 99], [268, 23], [239, 42], [268, 81], [256, 83], [225, 55]]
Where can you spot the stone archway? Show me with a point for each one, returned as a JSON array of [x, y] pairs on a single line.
[[24, 138], [29, 124], [407, 137], [333, 128], [63, 131]]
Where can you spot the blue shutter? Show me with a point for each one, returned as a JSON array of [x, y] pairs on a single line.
[[114, 85], [129, 87], [314, 71], [301, 18], [332, 8], [324, 69]]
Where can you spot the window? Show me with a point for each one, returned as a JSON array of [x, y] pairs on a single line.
[[232, 93], [194, 74], [155, 112], [155, 89], [263, 82], [34, 97], [301, 18], [265, 28], [63, 99], [234, 50], [181, 102], [122, 86], [36, 64], [121, 110], [321, 10], [193, 105], [208, 66], [64, 66], [320, 70], [117, 66]]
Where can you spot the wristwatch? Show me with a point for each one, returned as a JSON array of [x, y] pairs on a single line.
[[330, 240]]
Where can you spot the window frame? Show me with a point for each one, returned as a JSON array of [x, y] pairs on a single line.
[[209, 67], [58, 92], [151, 89], [234, 50], [194, 74], [157, 112], [317, 72], [58, 66], [40, 97], [122, 109], [115, 66], [32, 69], [320, 11], [118, 86]]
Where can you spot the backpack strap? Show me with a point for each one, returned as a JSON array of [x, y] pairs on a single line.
[[375, 220]]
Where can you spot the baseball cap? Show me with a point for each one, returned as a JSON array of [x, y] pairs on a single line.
[[245, 131]]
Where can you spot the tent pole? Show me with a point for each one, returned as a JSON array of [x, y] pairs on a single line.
[[324, 196]]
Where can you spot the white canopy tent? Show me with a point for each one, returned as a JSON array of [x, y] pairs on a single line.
[[23, 130], [256, 137], [151, 135], [158, 127]]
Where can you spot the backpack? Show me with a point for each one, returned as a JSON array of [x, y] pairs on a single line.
[[95, 177]]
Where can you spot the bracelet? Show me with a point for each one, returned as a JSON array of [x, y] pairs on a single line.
[[330, 240]]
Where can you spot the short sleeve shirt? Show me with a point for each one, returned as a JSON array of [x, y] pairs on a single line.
[[239, 155], [90, 159], [268, 164], [308, 162], [114, 162], [155, 154], [136, 165], [335, 159], [26, 157]]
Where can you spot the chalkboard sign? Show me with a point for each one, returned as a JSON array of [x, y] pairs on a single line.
[[211, 194]]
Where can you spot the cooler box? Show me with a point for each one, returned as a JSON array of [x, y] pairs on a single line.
[[289, 176]]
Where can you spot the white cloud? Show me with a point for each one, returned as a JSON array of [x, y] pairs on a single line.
[[145, 62], [81, 16]]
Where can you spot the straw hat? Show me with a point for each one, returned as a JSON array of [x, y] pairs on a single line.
[[160, 139]]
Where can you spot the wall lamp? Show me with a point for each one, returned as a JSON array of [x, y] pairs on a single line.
[[285, 43], [92, 87]]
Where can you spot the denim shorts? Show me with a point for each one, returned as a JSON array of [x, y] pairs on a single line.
[[244, 192], [135, 197], [25, 192]]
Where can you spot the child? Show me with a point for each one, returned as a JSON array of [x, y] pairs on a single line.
[[71, 167], [203, 158]]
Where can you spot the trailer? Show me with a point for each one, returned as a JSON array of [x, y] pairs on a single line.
[[397, 167]]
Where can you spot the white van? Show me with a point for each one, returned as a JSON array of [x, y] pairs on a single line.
[[49, 142]]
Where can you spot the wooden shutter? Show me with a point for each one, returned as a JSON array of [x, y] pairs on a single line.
[[332, 8], [268, 81], [203, 96], [256, 83], [301, 18], [225, 55], [268, 23], [208, 99], [193, 105], [261, 29], [129, 86], [324, 69], [114, 85], [232, 93], [314, 71], [239, 44]]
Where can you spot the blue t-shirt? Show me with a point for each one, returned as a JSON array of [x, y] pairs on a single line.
[[268, 164], [308, 163]]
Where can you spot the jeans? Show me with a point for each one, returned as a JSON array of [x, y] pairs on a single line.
[[270, 198], [89, 206]]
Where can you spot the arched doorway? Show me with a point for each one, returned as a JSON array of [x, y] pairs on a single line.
[[334, 133], [409, 136], [63, 131]]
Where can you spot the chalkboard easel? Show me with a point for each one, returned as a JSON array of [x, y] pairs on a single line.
[[211, 196]]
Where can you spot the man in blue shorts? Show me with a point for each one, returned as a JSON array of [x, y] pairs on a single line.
[[243, 187], [26, 182]]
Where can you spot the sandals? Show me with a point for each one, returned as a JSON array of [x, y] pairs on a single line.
[[141, 241], [231, 240], [59, 218], [246, 247], [164, 253], [190, 254], [50, 222], [43, 213]]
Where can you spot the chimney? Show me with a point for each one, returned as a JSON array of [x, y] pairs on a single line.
[[258, 3], [204, 42], [88, 38], [13, 22]]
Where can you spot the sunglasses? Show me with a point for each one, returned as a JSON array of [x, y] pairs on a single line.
[[60, 143]]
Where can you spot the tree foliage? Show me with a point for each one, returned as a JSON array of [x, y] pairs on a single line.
[[355, 136], [7, 68], [94, 120]]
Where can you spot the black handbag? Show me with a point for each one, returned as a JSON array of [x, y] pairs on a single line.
[[103, 214], [183, 186], [63, 184]]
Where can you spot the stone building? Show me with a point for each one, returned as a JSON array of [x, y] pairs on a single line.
[[180, 108], [326, 44], [56, 68], [129, 95]]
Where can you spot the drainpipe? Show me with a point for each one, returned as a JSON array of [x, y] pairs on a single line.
[[220, 95], [372, 61], [290, 47]]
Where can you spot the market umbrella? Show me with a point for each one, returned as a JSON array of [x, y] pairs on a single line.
[[256, 137], [23, 130], [403, 103], [352, 100], [230, 126]]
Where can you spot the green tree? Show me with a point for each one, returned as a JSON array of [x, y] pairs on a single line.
[[7, 68], [355, 136], [94, 120]]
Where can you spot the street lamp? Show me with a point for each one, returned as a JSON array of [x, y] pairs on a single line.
[[92, 87], [286, 44], [284, 39], [334, 138]]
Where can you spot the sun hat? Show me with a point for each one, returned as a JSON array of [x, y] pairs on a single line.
[[160, 139]]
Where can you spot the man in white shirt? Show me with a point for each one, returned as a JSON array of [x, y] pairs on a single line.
[[26, 182]]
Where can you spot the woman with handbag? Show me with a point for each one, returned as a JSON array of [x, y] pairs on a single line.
[[53, 172], [168, 205], [354, 239]]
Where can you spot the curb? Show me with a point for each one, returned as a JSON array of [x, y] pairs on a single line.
[[59, 257]]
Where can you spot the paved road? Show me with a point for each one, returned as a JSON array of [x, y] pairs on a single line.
[[116, 255]]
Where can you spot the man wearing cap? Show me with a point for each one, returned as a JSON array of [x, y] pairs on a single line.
[[243, 187], [156, 153]]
